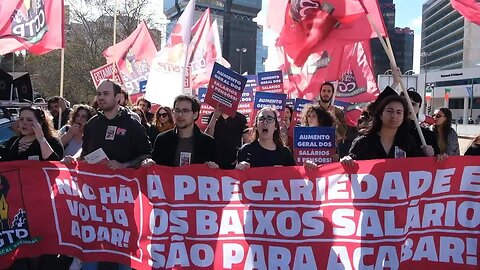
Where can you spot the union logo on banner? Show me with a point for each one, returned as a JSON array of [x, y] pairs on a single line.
[[29, 22], [14, 229], [348, 87]]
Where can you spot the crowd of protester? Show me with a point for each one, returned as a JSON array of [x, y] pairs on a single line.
[[170, 136]]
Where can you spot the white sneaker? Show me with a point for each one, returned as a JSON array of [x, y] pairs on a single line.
[[76, 264]]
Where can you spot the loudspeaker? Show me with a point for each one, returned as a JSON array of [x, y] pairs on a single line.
[[22, 86], [5, 85]]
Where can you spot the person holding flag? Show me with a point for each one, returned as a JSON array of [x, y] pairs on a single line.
[[325, 100]]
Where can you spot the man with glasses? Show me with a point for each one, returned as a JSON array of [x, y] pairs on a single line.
[[185, 144]]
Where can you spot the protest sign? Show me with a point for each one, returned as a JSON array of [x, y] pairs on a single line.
[[225, 89], [274, 100], [410, 213], [270, 81], [205, 109], [105, 72], [251, 82], [316, 144], [245, 106]]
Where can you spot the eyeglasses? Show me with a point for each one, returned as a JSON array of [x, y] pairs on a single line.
[[268, 119], [438, 115], [162, 115], [181, 111]]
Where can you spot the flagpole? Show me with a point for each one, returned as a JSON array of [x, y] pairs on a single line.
[[114, 66], [62, 74], [391, 57]]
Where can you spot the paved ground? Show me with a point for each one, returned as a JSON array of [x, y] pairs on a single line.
[[464, 143]]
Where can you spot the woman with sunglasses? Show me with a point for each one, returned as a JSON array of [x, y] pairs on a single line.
[[162, 121], [37, 139], [447, 138], [267, 148]]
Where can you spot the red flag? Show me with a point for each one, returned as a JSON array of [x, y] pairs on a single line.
[[470, 9], [133, 56], [314, 21], [349, 65], [35, 26]]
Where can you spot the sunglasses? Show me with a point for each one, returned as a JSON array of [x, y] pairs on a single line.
[[438, 115], [163, 115]]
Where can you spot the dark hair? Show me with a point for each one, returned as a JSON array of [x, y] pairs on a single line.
[[56, 99], [76, 108], [475, 142], [290, 109], [156, 119], [143, 118], [149, 104], [447, 125], [44, 118], [329, 84], [414, 96], [325, 119], [193, 100], [277, 138], [117, 89], [376, 122], [126, 96]]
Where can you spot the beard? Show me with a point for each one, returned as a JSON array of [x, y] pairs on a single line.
[[325, 100]]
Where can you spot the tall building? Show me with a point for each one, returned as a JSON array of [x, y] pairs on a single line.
[[237, 30], [400, 38], [448, 40], [262, 51]]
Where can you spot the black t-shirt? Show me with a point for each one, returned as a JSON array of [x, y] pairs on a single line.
[[228, 137], [473, 150], [122, 138], [258, 156], [366, 147]]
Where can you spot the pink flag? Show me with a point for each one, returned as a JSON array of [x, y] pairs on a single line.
[[35, 26], [470, 9], [349, 66], [317, 23], [167, 76], [208, 52], [133, 56]]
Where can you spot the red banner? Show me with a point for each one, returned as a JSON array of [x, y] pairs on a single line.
[[396, 214], [105, 72], [35, 26], [470, 9]]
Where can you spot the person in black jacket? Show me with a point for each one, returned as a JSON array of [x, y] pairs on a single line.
[[387, 136], [474, 148], [37, 140], [185, 144], [431, 148]]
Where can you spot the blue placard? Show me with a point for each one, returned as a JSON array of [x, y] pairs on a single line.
[[247, 95], [265, 99], [142, 85], [314, 137], [270, 81], [251, 82], [290, 102], [202, 92], [300, 104]]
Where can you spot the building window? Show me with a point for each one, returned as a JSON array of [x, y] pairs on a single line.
[[455, 103]]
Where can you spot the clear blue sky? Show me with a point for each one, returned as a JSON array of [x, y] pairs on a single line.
[[408, 14]]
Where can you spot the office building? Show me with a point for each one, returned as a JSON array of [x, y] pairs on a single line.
[[400, 38], [448, 40]]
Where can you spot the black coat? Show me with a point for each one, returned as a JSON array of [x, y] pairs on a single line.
[[165, 147]]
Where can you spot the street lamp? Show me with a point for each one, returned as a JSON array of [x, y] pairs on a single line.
[[241, 51]]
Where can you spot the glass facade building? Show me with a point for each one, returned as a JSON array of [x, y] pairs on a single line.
[[402, 40]]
